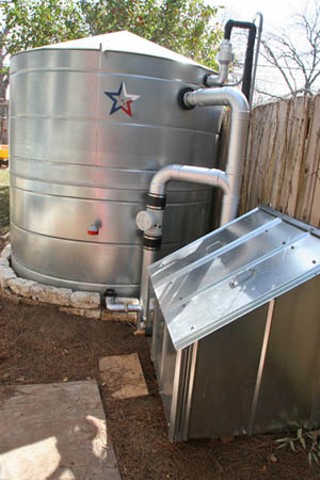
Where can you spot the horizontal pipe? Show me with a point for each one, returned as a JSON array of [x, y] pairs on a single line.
[[238, 24], [187, 173], [120, 303], [223, 96], [125, 305]]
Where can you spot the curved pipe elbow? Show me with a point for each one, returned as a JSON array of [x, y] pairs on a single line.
[[187, 173], [219, 79], [161, 178], [225, 96]]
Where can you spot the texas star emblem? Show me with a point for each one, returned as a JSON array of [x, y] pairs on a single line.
[[121, 100]]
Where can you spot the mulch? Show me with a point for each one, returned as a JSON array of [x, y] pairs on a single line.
[[39, 344]]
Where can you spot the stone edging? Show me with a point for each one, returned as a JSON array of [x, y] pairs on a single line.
[[83, 304]]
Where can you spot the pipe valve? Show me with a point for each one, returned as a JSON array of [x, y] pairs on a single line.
[[93, 230]]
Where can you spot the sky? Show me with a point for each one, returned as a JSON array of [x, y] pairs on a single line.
[[277, 17], [275, 12]]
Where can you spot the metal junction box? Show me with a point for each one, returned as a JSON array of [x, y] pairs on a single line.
[[237, 329]]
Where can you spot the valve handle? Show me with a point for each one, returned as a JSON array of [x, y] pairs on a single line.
[[93, 230]]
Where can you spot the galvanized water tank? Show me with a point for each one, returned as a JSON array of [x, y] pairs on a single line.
[[91, 121]]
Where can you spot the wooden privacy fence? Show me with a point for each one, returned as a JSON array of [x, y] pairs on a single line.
[[282, 167]]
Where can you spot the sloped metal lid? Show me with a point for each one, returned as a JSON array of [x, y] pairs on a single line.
[[123, 41], [232, 271]]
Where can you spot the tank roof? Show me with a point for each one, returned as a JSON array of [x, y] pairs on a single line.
[[123, 41]]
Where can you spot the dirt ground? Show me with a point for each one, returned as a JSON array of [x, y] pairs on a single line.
[[39, 344]]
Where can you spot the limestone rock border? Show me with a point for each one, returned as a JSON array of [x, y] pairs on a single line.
[[80, 303]]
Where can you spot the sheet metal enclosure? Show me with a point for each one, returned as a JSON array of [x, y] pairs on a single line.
[[251, 362], [78, 159]]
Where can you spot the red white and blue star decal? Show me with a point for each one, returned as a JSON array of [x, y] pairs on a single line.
[[121, 100]]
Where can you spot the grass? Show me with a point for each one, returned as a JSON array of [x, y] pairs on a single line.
[[4, 201]]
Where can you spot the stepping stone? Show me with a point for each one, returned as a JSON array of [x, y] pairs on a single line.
[[123, 376], [54, 431]]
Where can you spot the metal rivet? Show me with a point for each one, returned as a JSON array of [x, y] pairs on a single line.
[[314, 261], [192, 328], [292, 247], [284, 243]]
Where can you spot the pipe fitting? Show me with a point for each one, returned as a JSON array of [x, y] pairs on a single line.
[[124, 305], [147, 220], [225, 96], [225, 57], [181, 95]]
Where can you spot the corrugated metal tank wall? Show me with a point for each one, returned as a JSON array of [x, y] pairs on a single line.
[[88, 130]]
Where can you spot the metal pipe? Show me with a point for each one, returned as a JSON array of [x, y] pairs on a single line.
[[187, 173], [148, 257], [225, 57], [218, 79], [238, 133], [150, 220], [229, 181], [255, 62], [124, 305], [247, 73]]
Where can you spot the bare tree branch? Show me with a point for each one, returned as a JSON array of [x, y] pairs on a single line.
[[297, 56], [268, 94]]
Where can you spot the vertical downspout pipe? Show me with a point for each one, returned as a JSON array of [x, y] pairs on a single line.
[[238, 134], [150, 222], [255, 63]]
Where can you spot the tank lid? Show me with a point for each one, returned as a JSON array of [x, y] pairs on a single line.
[[123, 41], [232, 271]]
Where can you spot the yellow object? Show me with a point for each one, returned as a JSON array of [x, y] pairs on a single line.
[[4, 151]]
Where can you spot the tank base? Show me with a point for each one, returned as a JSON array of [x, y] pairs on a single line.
[[121, 290]]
